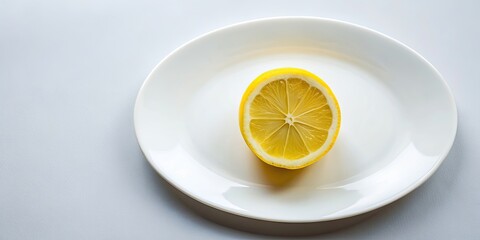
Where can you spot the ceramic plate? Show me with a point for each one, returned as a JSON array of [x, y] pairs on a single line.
[[398, 119]]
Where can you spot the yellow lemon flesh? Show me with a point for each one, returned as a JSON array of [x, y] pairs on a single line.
[[289, 117]]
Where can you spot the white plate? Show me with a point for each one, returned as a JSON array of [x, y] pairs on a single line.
[[398, 119]]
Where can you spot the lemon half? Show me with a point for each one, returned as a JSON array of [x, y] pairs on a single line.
[[289, 117]]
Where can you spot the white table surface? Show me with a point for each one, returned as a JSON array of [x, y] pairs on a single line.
[[70, 166]]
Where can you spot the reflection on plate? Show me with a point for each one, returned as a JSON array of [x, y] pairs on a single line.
[[398, 119]]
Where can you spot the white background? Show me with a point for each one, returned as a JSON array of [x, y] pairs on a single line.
[[70, 166]]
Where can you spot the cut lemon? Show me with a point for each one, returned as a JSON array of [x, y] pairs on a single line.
[[289, 117]]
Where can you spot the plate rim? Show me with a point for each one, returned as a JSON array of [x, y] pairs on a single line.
[[380, 204]]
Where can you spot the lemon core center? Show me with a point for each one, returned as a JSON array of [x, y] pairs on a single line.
[[289, 119]]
